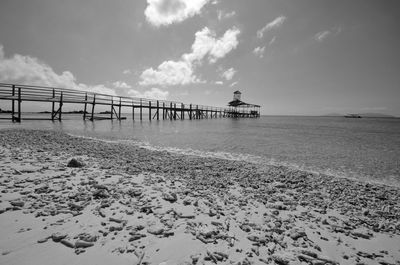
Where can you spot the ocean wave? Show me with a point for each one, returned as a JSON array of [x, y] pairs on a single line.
[[262, 161], [180, 151]]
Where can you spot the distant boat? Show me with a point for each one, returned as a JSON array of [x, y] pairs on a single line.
[[352, 116]]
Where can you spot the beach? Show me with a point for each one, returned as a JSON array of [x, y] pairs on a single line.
[[73, 200]]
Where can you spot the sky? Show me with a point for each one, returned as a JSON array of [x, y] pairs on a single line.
[[292, 57]]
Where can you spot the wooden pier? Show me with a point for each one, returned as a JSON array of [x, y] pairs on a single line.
[[155, 109]]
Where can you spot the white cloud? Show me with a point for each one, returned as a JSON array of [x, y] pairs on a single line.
[[127, 72], [101, 89], [222, 14], [207, 43], [153, 93], [228, 74], [181, 72], [234, 84], [272, 41], [259, 51], [26, 70], [322, 35], [120, 84], [219, 83], [169, 73], [276, 23], [224, 45], [166, 12]]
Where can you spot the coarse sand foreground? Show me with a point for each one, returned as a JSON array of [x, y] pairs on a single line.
[[70, 200]]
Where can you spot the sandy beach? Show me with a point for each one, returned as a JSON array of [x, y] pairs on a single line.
[[72, 200]]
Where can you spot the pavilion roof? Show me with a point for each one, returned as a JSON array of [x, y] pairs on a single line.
[[237, 103]]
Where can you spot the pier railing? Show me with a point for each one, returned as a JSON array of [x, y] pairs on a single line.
[[156, 109]]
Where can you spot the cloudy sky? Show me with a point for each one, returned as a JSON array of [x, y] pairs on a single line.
[[305, 57]]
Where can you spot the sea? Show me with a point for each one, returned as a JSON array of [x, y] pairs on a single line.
[[366, 149]]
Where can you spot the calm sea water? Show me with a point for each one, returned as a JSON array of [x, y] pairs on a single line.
[[366, 149]]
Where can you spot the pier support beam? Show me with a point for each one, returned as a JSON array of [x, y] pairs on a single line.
[[93, 104], [158, 110], [141, 109], [60, 109], [19, 105], [170, 111], [119, 109], [133, 111], [149, 110], [174, 111], [112, 108], [13, 103], [53, 104], [85, 108], [163, 110]]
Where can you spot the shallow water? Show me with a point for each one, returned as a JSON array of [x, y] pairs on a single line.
[[366, 149]]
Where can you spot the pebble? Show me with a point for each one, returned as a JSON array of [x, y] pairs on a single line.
[[67, 243], [155, 230], [58, 236], [43, 240], [17, 203], [83, 244], [170, 196], [75, 163]]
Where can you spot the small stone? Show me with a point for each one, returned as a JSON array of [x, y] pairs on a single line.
[[83, 244], [212, 213], [79, 251], [135, 237], [135, 192], [57, 237], [170, 196], [67, 243], [17, 203], [256, 250], [283, 258], [245, 228], [75, 163], [155, 230], [297, 234], [88, 237], [195, 258], [362, 235], [168, 233], [325, 222], [119, 221], [253, 238], [43, 240]]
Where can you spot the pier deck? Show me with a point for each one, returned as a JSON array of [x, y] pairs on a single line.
[[154, 109]]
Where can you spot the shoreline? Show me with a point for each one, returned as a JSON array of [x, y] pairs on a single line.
[[244, 158], [212, 210]]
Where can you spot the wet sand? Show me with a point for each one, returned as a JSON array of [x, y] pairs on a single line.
[[121, 204]]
